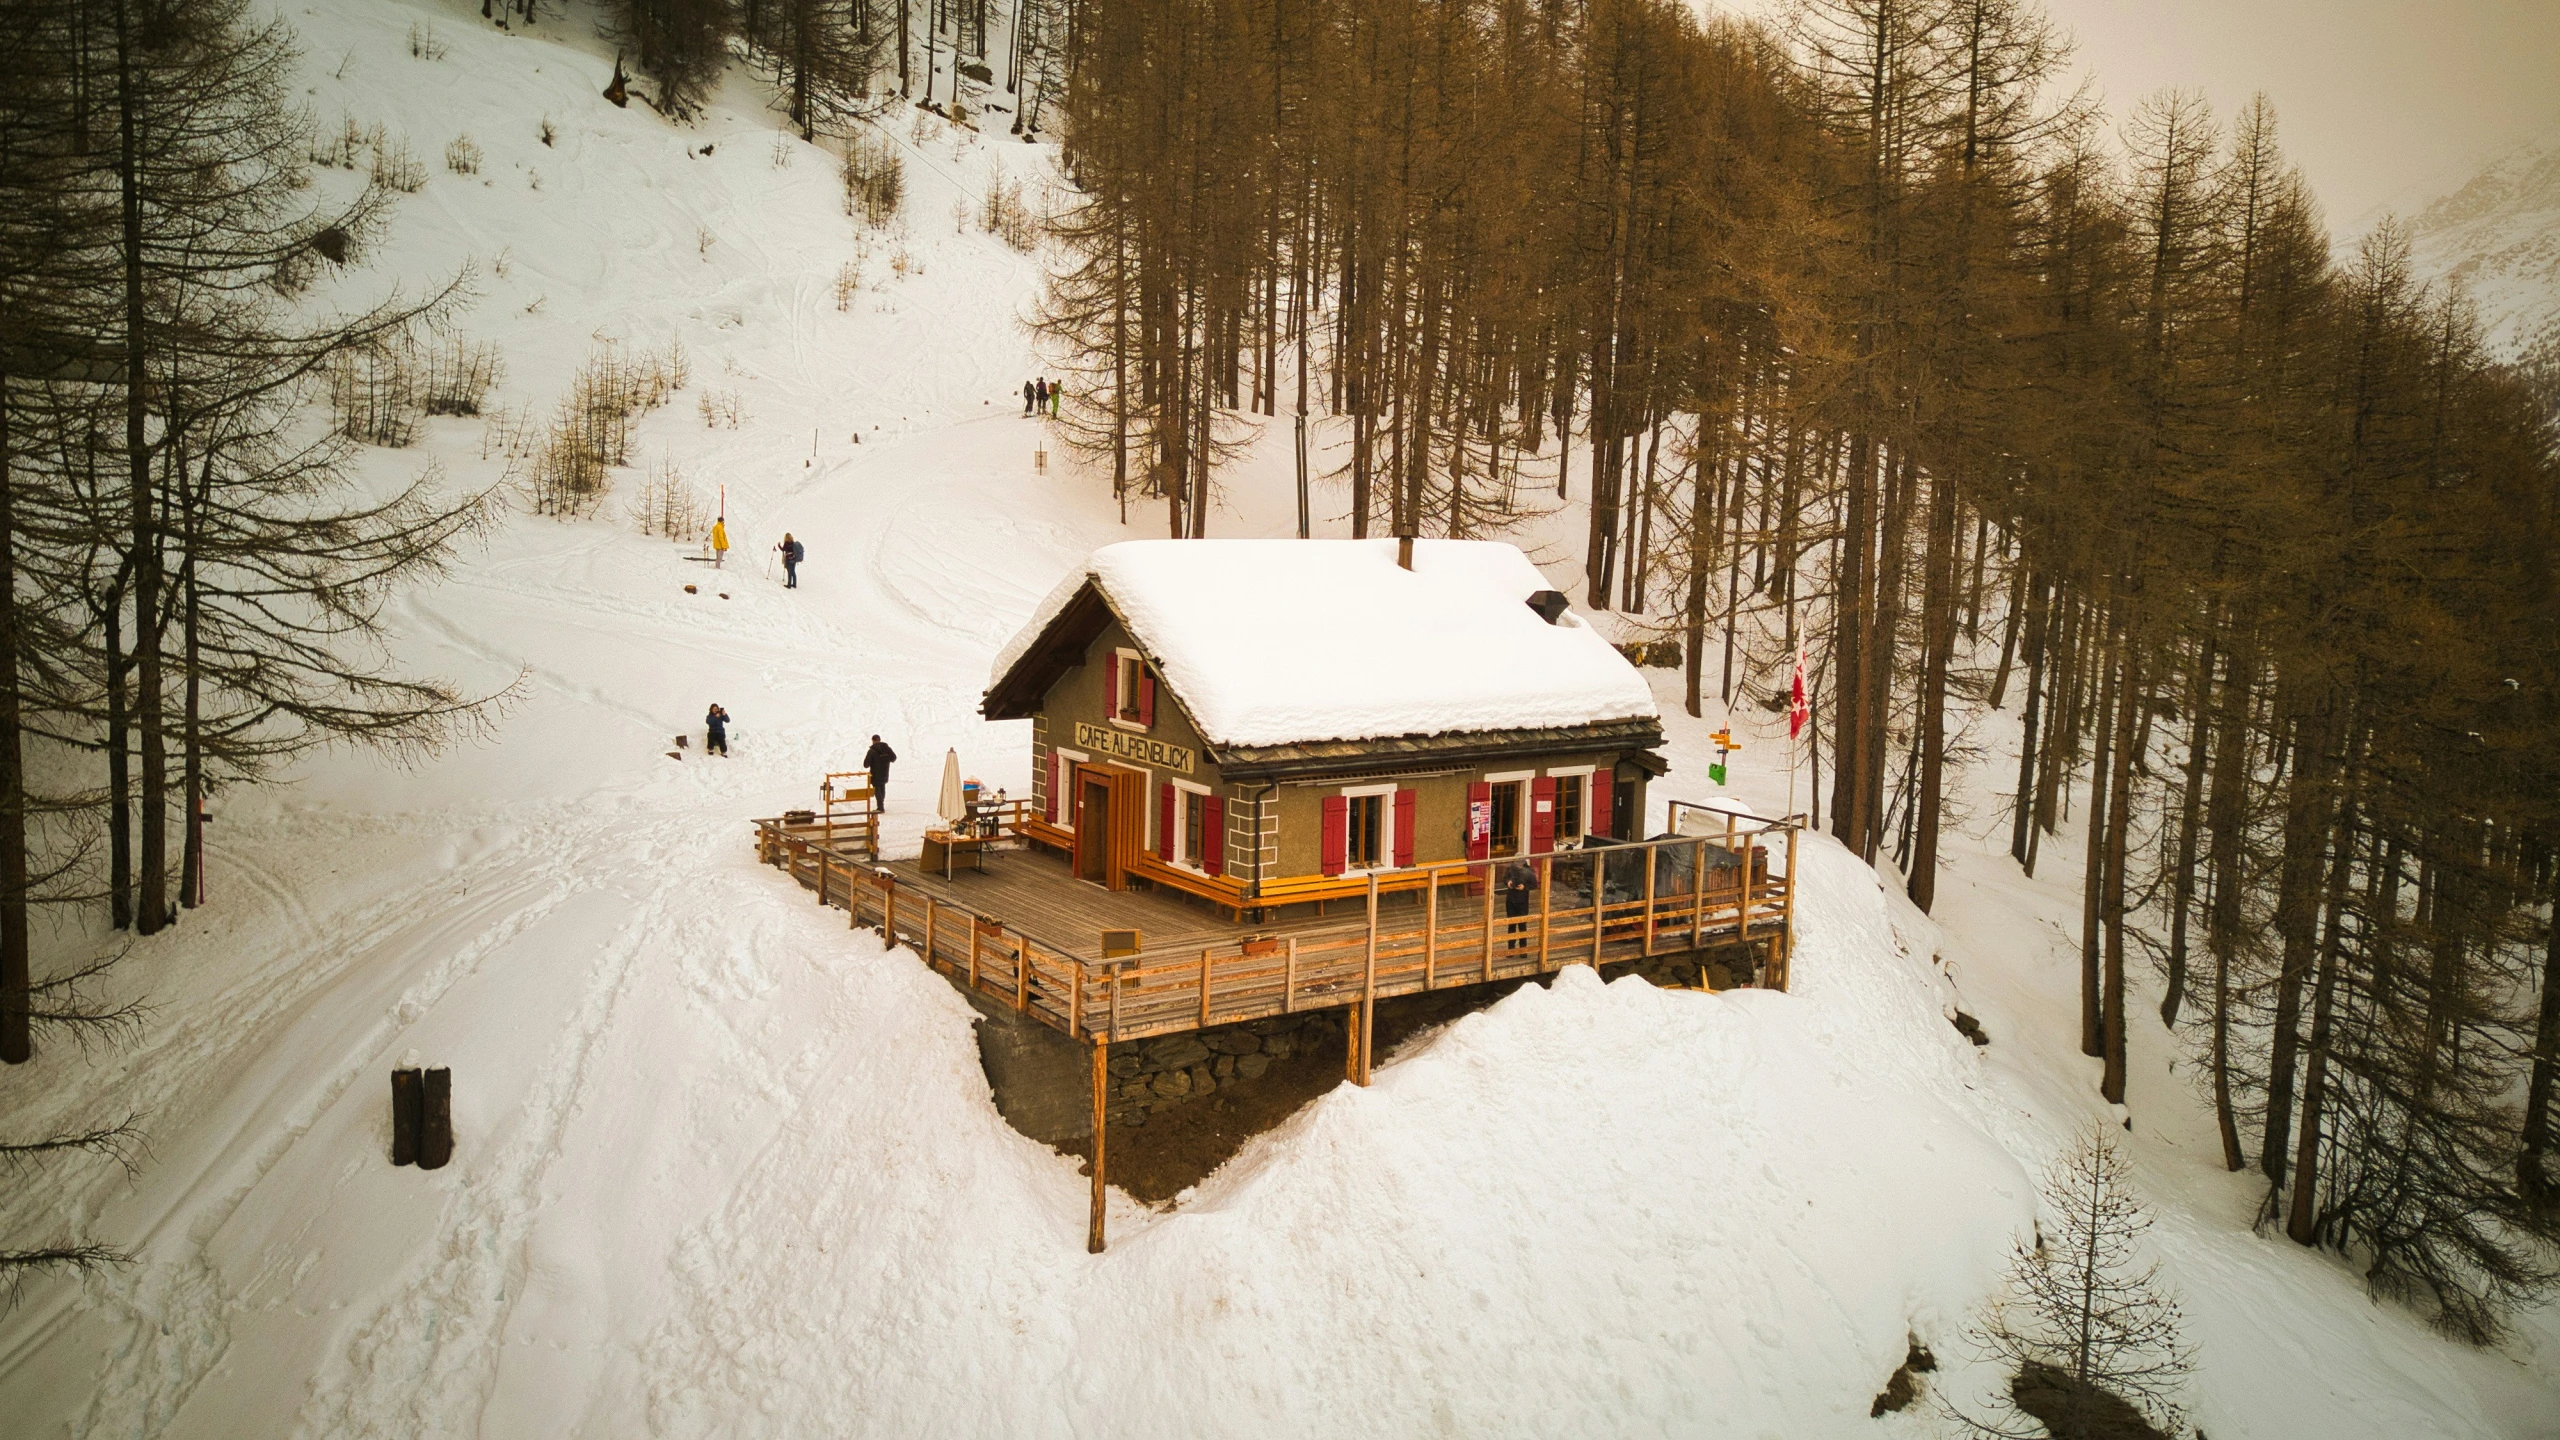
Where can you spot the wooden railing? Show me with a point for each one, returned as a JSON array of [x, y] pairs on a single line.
[[1672, 896]]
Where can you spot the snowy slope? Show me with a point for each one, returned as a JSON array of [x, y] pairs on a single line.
[[2499, 238], [727, 1169]]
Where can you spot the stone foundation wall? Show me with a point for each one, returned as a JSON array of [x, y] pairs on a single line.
[[1148, 1076]]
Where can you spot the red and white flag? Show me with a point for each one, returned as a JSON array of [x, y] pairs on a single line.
[[1799, 700]]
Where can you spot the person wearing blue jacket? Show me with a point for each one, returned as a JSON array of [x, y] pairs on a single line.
[[791, 553]]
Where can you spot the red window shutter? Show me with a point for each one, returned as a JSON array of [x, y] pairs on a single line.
[[1479, 803], [1337, 832], [1213, 835], [1404, 829], [1165, 834], [1146, 699], [1049, 803], [1601, 821], [1111, 688], [1542, 815]]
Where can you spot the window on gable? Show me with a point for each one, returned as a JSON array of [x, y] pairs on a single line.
[[1131, 684]]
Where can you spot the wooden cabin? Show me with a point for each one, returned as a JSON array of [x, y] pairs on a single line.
[[1265, 724]]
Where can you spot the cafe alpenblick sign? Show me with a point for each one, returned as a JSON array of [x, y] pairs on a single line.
[[1121, 745]]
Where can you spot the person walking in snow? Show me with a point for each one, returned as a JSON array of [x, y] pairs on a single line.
[[791, 553], [1057, 392], [1040, 394], [1028, 393], [719, 546], [877, 760], [715, 728]]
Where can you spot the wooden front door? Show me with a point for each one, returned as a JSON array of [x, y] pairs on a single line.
[[1111, 823], [1093, 828]]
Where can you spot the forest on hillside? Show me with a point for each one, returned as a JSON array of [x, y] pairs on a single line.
[[1863, 334]]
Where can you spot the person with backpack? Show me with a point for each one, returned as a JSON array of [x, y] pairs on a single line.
[[715, 727], [792, 553], [877, 760], [1040, 394], [1057, 392]]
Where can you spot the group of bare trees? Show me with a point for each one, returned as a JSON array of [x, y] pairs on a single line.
[[823, 55], [189, 578], [1856, 331]]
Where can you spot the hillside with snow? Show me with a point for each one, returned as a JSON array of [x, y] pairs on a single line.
[[2498, 237], [725, 1168]]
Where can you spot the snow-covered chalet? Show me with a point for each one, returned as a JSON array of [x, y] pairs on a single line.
[[1264, 723]]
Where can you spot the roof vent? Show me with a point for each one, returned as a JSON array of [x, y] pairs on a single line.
[[1550, 604]]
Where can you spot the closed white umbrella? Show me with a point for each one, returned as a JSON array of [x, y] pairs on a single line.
[[950, 806]]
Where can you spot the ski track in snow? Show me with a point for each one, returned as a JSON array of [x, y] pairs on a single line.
[[725, 1169]]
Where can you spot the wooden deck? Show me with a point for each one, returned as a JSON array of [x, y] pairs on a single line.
[[1024, 932]]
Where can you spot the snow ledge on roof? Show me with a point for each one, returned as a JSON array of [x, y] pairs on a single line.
[[1282, 642]]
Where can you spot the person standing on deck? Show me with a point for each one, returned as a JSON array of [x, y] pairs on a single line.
[[791, 553], [877, 760], [715, 728], [719, 544]]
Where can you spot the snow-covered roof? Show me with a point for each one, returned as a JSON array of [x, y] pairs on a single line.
[[1284, 642]]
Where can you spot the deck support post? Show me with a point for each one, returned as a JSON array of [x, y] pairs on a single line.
[[1289, 980], [1698, 893], [1599, 912], [822, 879], [1430, 929], [1487, 972], [931, 909], [1652, 853], [1101, 1088], [1787, 931], [1742, 918], [1369, 982], [1546, 907]]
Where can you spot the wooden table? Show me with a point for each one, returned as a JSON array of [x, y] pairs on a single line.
[[947, 852]]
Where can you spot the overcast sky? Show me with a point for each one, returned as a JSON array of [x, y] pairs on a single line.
[[2383, 103]]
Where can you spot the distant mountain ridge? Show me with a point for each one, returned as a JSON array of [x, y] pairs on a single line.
[[2499, 237]]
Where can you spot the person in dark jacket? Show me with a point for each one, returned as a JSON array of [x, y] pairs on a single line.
[[1519, 882], [877, 760], [715, 730], [1040, 394], [791, 553]]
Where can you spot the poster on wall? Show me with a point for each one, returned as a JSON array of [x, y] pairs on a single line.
[[1479, 821]]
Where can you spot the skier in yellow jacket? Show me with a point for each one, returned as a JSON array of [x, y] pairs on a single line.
[[719, 544]]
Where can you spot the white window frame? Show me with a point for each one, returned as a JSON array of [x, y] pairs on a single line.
[[1581, 775], [1126, 686], [1386, 828], [1181, 830], [1528, 797], [1068, 760]]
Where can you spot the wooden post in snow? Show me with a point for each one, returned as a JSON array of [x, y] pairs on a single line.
[[1369, 982], [1101, 1085]]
